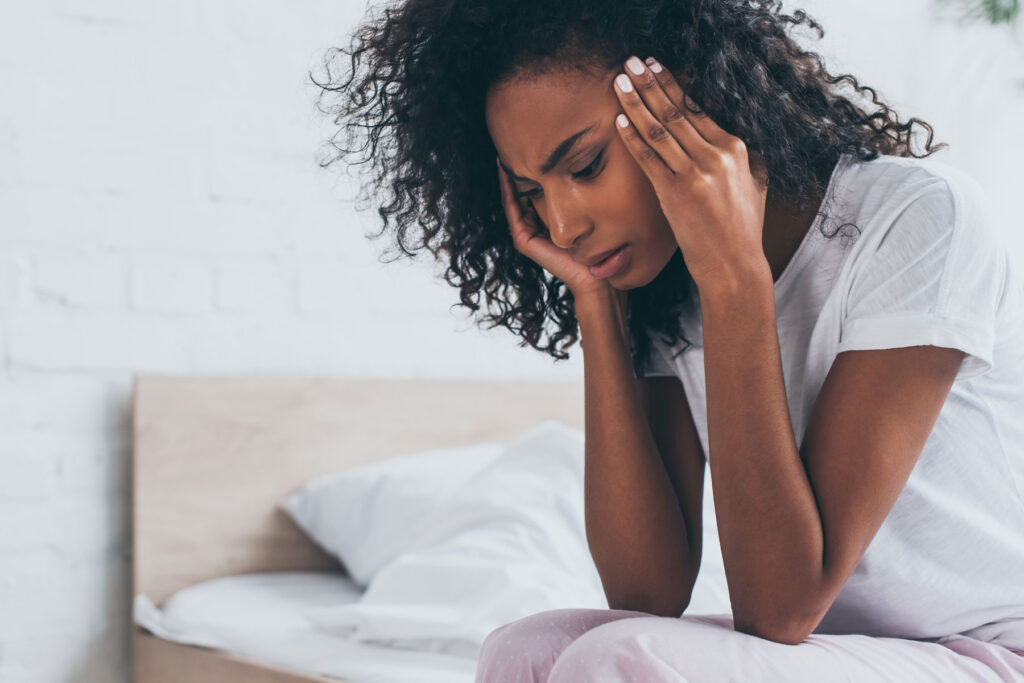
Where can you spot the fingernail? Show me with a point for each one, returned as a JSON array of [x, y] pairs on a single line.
[[653, 65], [622, 80], [635, 65], [622, 120]]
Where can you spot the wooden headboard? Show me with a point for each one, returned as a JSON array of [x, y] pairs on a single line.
[[212, 456]]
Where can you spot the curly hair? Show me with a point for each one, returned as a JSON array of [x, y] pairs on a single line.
[[410, 104]]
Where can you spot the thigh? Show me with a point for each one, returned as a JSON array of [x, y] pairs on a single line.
[[706, 648], [523, 651]]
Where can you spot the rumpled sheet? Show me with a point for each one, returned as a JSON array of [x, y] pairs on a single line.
[[262, 617]]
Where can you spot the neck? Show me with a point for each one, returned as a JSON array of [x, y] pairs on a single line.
[[784, 229]]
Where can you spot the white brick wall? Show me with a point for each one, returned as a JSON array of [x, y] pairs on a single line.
[[161, 211]]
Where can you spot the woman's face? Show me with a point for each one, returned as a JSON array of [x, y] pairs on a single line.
[[595, 197]]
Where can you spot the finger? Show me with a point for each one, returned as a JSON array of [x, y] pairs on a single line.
[[513, 210], [645, 156], [670, 111], [651, 132], [529, 235], [701, 122]]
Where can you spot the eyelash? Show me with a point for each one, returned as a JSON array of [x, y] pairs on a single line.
[[588, 172]]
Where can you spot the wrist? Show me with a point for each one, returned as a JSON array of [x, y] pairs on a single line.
[[738, 279], [596, 298], [603, 306]]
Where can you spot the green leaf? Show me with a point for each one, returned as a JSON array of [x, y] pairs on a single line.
[[992, 11]]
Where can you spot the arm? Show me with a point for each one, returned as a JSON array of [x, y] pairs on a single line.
[[635, 525], [794, 523], [668, 416]]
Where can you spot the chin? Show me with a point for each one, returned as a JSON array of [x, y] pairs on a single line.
[[634, 278]]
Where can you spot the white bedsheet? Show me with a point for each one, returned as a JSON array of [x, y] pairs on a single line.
[[510, 542], [262, 616]]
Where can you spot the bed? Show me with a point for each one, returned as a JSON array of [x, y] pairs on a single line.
[[212, 456]]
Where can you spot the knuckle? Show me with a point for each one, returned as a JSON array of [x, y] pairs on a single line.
[[737, 147], [648, 154], [656, 132], [699, 184], [718, 160], [647, 81], [671, 114]]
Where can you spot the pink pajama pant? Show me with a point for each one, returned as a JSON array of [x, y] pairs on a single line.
[[622, 646]]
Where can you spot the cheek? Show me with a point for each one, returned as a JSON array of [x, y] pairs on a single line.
[[638, 207]]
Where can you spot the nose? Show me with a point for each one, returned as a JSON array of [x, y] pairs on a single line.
[[567, 220]]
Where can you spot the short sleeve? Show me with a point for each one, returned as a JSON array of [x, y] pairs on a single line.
[[931, 275]]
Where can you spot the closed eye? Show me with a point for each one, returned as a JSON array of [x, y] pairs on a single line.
[[589, 172]]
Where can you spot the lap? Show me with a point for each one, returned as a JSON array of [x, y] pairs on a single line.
[[525, 650], [621, 645]]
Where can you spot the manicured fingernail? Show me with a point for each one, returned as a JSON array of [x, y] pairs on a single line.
[[635, 65], [653, 65], [622, 80], [622, 120]]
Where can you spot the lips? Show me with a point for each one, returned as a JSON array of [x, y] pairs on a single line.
[[594, 260]]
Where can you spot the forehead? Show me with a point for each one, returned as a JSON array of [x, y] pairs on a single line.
[[528, 117]]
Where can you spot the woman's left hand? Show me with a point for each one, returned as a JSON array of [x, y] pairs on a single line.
[[700, 173]]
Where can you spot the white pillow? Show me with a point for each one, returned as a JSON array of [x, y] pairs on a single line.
[[509, 543], [366, 516]]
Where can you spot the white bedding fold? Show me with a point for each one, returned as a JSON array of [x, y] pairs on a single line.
[[262, 616]]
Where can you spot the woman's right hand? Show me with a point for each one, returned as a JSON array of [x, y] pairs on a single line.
[[531, 241]]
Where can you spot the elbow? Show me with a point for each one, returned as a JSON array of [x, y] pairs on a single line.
[[669, 600], [782, 631], [673, 607], [783, 635], [661, 604], [783, 621], [655, 607]]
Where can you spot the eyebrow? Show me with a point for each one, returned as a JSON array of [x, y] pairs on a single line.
[[564, 147]]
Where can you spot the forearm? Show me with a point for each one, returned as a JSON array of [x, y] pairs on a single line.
[[634, 523], [769, 527]]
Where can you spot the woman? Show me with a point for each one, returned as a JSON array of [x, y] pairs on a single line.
[[763, 276]]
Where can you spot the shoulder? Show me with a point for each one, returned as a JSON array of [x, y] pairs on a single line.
[[890, 181], [928, 267], [928, 242], [919, 201]]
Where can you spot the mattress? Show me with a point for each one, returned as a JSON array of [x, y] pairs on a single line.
[[262, 616]]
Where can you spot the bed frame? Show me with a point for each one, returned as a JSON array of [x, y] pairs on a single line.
[[212, 456]]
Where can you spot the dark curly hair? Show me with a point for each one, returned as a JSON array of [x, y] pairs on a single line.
[[410, 102]]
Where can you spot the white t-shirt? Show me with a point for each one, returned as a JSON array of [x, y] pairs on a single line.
[[928, 268]]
